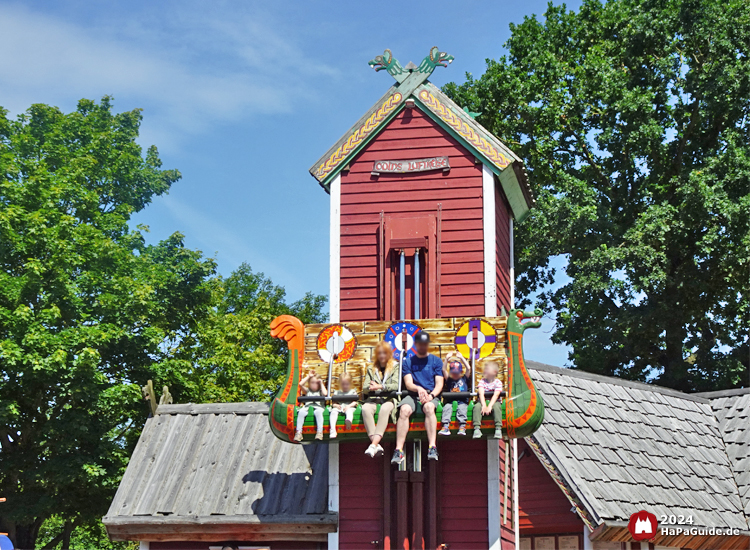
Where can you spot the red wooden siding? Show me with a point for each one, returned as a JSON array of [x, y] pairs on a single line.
[[462, 494], [412, 135], [543, 508], [273, 545], [502, 250], [360, 497]]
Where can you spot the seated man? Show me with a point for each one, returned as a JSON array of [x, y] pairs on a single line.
[[423, 379]]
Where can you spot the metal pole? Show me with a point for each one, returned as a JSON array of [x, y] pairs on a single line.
[[333, 349], [416, 283], [404, 343], [474, 338], [402, 285]]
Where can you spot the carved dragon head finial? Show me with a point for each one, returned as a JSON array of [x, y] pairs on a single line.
[[434, 59], [389, 63], [518, 316]]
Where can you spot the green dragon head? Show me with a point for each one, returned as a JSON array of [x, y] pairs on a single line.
[[435, 59], [517, 320], [387, 62]]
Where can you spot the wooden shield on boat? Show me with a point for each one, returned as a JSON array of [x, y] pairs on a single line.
[[394, 337], [337, 340], [476, 336]]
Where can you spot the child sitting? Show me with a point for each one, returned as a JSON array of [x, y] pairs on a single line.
[[489, 389], [346, 407], [311, 386], [457, 379]]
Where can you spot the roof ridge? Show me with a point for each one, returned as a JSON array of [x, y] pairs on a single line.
[[243, 408], [575, 373], [723, 393]]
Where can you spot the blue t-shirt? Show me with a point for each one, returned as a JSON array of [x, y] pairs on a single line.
[[423, 370]]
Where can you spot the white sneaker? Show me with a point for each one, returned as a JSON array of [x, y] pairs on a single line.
[[333, 434], [379, 451], [371, 451]]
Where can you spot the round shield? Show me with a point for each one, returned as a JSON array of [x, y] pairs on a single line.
[[336, 340], [476, 336], [395, 337]]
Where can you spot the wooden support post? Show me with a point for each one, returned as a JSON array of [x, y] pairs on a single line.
[[432, 507], [505, 489], [402, 507], [149, 397], [417, 510], [387, 511]]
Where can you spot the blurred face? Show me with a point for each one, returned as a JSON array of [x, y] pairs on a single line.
[[314, 384], [346, 384], [490, 371], [423, 348], [383, 356], [454, 369]]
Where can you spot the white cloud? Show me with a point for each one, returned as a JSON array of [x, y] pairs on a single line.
[[198, 68]]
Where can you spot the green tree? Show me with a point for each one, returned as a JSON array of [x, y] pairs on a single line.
[[233, 356], [87, 309], [633, 117]]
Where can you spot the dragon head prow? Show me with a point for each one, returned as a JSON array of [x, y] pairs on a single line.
[[381, 61], [440, 58], [519, 319]]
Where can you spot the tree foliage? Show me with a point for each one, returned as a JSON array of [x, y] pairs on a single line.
[[234, 357], [85, 308], [89, 312], [632, 117]]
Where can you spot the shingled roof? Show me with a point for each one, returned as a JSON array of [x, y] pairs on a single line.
[[616, 447], [732, 410], [216, 472]]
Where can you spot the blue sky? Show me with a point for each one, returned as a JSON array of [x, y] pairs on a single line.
[[242, 97]]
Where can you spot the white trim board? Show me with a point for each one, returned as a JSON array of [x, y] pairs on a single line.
[[489, 216], [512, 267], [334, 298], [516, 515], [494, 518], [333, 490]]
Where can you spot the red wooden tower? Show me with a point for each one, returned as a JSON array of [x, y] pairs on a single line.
[[423, 200]]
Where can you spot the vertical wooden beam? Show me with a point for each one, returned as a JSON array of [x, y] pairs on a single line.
[[516, 527], [493, 494], [334, 301], [387, 511], [381, 268], [401, 509], [490, 241], [512, 267], [417, 510], [432, 504], [333, 488]]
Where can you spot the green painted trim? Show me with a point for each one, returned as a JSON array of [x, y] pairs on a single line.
[[326, 182], [512, 189]]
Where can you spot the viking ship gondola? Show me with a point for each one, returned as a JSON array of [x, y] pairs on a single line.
[[311, 346]]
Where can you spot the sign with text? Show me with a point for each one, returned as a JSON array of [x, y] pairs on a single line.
[[405, 166]]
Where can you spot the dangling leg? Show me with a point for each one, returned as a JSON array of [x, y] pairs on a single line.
[[477, 420], [461, 414], [301, 415], [497, 414], [318, 412], [446, 418], [333, 417], [349, 415]]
